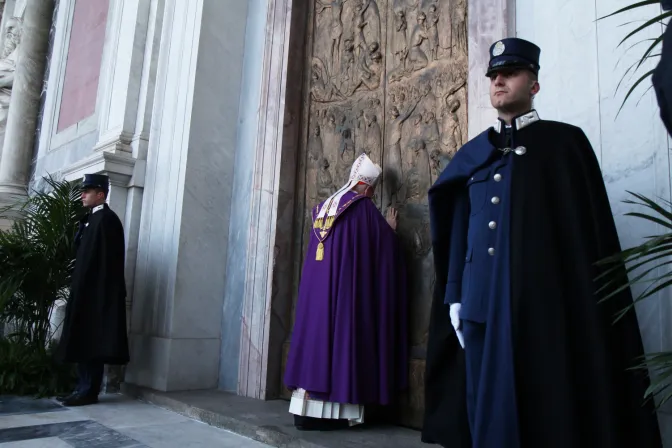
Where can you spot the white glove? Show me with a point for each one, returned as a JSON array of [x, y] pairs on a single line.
[[455, 320]]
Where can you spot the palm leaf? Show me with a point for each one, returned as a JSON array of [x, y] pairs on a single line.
[[656, 20], [633, 87], [37, 257], [631, 7], [646, 256], [660, 364], [649, 50]]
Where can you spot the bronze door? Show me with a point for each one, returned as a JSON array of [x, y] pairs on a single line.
[[388, 78]]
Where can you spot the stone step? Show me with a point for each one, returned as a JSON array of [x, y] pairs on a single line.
[[269, 421]]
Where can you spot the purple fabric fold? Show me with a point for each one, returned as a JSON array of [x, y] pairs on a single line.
[[349, 343]]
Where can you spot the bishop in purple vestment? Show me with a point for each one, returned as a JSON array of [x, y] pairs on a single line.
[[349, 347]]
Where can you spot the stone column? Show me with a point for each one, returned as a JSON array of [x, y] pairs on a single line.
[[25, 101]]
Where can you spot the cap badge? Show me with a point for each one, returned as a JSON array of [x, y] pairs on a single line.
[[498, 48]]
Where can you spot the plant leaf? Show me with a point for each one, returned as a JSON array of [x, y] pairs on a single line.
[[631, 7]]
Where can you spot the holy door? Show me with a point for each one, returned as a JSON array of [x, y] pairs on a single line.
[[388, 78]]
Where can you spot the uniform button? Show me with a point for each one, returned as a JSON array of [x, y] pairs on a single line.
[[492, 225], [491, 251], [495, 200], [520, 150], [498, 177]]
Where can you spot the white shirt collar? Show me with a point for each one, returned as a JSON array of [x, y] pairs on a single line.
[[96, 208], [520, 122]]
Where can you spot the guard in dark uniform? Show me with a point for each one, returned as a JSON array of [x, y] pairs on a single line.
[[520, 353], [94, 329]]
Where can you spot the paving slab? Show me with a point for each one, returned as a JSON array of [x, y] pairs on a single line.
[[117, 421], [13, 405], [269, 422]]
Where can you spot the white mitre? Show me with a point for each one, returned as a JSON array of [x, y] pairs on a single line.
[[363, 170]]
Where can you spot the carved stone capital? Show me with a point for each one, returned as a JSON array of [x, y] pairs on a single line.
[[120, 141], [120, 166]]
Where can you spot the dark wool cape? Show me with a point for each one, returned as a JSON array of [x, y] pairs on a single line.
[[662, 76], [570, 360], [94, 328]]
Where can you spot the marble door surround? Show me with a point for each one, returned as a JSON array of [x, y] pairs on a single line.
[[221, 160], [268, 287]]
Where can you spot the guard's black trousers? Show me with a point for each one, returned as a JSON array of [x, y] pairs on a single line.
[[90, 378]]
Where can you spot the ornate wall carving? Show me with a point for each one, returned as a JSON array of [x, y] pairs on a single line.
[[387, 77]]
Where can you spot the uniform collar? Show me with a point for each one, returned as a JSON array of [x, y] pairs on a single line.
[[96, 208], [518, 123]]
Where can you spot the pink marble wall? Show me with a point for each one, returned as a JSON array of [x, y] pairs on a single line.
[[85, 53]]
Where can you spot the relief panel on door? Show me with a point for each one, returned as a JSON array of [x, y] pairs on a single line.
[[387, 78]]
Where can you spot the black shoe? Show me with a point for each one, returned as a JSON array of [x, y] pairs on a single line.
[[80, 400], [319, 424], [62, 398]]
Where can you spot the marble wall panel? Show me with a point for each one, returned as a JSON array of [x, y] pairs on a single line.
[[182, 248], [239, 226]]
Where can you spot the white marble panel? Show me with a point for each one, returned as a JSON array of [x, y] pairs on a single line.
[[239, 228], [182, 249], [566, 33], [634, 143], [194, 364], [209, 172], [150, 358]]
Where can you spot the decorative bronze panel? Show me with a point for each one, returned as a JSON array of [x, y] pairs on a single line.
[[388, 78]]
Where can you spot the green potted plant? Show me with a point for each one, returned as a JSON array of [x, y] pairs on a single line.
[[37, 258]]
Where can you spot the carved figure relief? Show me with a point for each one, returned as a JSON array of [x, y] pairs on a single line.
[[433, 32], [451, 134], [387, 78], [8, 58], [335, 26], [459, 29], [315, 157]]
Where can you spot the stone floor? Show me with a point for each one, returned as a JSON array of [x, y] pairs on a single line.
[[116, 422], [270, 422]]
